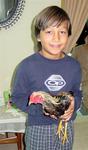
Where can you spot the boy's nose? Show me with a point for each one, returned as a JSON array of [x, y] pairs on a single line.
[[56, 36]]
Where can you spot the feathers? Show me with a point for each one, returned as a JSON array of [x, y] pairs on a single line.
[[52, 105]]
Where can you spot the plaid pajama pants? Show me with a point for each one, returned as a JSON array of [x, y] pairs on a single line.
[[44, 137]]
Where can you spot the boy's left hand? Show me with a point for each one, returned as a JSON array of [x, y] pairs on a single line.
[[69, 112]]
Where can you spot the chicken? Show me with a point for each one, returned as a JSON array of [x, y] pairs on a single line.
[[53, 106]]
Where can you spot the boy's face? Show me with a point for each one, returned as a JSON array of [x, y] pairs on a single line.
[[53, 40]]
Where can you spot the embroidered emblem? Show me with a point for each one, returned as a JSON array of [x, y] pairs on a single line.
[[55, 83]]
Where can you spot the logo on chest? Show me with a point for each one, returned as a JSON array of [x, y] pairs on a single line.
[[55, 82]]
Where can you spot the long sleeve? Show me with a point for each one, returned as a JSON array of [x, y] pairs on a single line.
[[77, 89], [20, 87]]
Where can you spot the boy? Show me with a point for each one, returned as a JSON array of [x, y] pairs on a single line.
[[52, 71]]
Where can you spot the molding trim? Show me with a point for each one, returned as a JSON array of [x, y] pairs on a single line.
[[15, 16]]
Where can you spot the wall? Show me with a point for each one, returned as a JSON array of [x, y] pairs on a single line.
[[16, 42]]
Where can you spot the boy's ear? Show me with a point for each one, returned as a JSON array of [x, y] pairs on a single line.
[[38, 38]]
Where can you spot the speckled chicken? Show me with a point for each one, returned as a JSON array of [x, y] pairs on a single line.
[[54, 105]]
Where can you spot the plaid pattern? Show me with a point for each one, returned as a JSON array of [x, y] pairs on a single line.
[[44, 138]]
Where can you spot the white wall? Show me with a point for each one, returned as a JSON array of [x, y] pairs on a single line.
[[16, 42]]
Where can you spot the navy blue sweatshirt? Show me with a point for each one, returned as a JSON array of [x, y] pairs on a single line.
[[37, 73]]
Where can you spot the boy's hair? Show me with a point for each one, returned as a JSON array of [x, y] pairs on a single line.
[[49, 16]]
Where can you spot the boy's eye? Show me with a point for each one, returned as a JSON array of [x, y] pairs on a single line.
[[63, 32], [48, 31]]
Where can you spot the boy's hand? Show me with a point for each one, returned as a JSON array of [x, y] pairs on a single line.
[[69, 112]]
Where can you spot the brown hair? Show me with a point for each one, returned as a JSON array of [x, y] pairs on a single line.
[[48, 16]]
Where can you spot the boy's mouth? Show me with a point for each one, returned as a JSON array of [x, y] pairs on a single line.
[[55, 45]]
